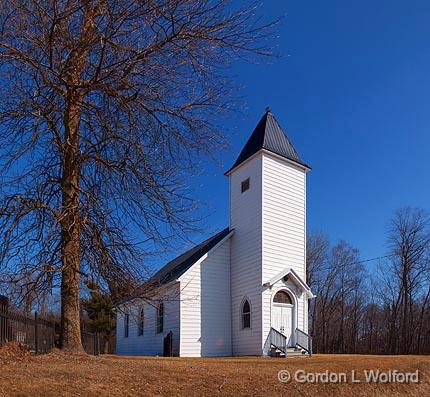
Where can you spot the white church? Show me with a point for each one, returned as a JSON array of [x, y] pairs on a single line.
[[243, 291]]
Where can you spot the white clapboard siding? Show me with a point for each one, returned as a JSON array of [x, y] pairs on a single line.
[[205, 305], [283, 232], [151, 342], [284, 217], [246, 255]]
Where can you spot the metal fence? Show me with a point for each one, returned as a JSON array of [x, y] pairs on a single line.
[[39, 334]]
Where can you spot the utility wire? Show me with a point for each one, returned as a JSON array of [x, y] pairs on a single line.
[[373, 259], [364, 260]]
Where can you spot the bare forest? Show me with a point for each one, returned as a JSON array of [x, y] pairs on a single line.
[[377, 306]]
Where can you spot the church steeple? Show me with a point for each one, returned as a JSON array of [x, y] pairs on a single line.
[[269, 135], [267, 189]]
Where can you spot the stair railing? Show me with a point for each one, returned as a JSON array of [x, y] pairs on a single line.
[[278, 340], [304, 341]]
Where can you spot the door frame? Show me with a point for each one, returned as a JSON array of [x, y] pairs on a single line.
[[294, 307]]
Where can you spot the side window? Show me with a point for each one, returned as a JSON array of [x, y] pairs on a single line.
[[246, 314], [126, 324], [160, 318], [245, 185], [141, 324]]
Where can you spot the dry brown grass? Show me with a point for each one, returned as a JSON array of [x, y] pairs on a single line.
[[60, 375], [15, 352]]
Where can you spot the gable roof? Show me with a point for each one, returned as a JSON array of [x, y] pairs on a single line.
[[295, 277], [269, 135], [178, 266]]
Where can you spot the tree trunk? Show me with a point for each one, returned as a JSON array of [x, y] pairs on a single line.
[[70, 230], [70, 312], [420, 326], [70, 223], [341, 335]]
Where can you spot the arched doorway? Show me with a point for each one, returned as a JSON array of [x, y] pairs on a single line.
[[283, 314]]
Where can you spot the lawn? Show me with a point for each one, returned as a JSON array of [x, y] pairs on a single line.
[[59, 375]]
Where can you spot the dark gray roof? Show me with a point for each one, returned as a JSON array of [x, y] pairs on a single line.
[[269, 135], [178, 266], [175, 268]]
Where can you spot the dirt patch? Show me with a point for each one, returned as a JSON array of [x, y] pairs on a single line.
[[57, 374]]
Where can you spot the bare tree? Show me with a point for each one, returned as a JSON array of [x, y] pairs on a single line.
[[409, 244], [385, 310], [338, 301], [317, 247], [105, 106]]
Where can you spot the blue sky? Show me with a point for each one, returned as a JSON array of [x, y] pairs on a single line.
[[352, 90]]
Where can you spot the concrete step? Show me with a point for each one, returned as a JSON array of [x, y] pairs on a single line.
[[291, 352], [295, 354], [276, 353]]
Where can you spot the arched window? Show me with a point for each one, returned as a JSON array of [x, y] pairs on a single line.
[[160, 318], [246, 314], [141, 322], [282, 297]]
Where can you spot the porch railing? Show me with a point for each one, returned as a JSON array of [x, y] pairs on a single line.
[[278, 340], [304, 341]]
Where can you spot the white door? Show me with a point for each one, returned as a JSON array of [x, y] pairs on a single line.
[[282, 320], [283, 315]]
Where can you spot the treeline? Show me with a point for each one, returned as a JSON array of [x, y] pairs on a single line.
[[373, 307]]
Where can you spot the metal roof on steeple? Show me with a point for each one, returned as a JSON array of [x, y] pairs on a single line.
[[269, 135]]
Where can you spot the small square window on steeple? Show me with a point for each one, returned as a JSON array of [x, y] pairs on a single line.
[[245, 185]]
